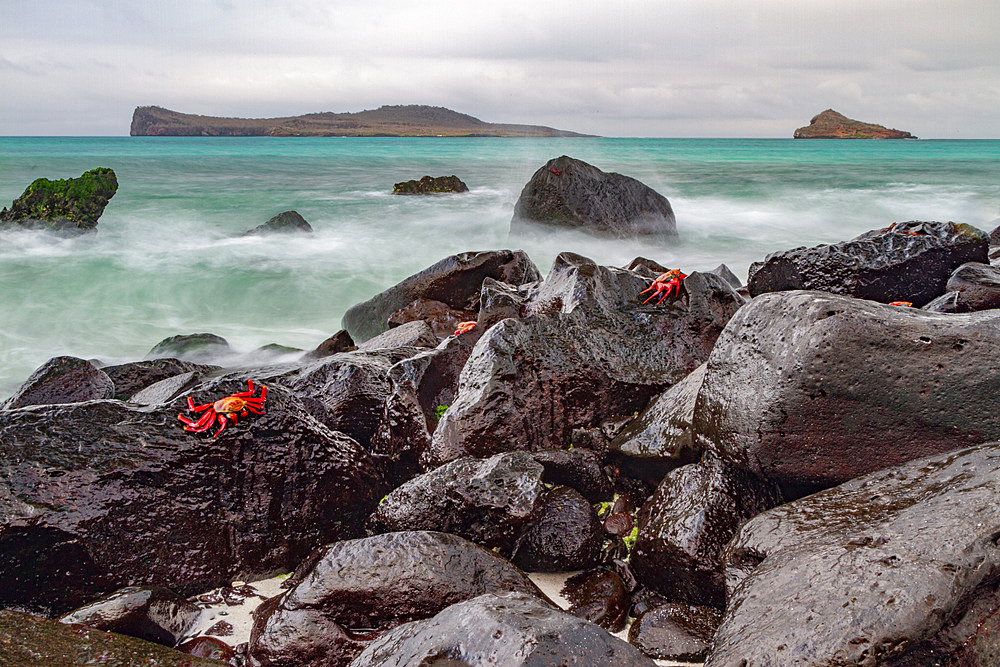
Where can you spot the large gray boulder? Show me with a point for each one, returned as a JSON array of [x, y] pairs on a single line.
[[899, 567], [569, 193], [907, 261], [810, 389]]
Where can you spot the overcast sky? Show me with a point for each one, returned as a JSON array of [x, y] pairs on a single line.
[[677, 68]]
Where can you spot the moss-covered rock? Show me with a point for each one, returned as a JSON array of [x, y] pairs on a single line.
[[430, 185], [69, 204]]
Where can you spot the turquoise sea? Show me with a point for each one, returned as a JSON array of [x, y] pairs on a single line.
[[168, 257]]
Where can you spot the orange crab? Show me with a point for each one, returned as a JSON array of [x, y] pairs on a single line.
[[904, 304], [463, 327], [665, 284], [225, 410]]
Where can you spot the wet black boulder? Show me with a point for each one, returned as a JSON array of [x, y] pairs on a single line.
[[430, 185], [455, 280], [135, 376], [287, 222], [487, 501], [899, 567], [569, 193], [599, 596], [579, 468], [675, 631], [563, 534], [152, 613], [62, 380], [100, 495], [908, 261], [978, 287], [513, 630], [810, 389], [359, 588], [686, 524]]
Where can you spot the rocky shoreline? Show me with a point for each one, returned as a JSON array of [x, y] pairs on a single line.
[[800, 471]]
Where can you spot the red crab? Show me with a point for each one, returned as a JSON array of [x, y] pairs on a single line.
[[225, 410], [904, 304], [666, 283], [465, 326]]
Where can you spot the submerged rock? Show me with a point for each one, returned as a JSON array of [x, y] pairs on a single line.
[[569, 193], [359, 588], [430, 185], [511, 630], [199, 348], [288, 222], [100, 495], [70, 205], [487, 501], [809, 389], [62, 380], [895, 568], [907, 261], [456, 281]]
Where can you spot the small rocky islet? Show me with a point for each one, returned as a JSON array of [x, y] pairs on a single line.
[[793, 472]]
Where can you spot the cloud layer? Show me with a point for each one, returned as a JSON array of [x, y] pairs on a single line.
[[615, 67]]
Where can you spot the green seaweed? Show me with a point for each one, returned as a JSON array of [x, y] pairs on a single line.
[[440, 410]]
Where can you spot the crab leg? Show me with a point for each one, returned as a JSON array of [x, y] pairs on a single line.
[[197, 408], [203, 427], [248, 392], [204, 422], [189, 422], [222, 424], [253, 409]]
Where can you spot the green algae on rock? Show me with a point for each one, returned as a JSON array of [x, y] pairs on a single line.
[[63, 205], [429, 185]]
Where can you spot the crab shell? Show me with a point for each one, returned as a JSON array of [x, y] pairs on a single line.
[[229, 405]]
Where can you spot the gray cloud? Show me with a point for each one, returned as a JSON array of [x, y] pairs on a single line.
[[641, 68]]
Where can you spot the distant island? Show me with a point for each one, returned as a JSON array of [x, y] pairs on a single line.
[[833, 125], [386, 121]]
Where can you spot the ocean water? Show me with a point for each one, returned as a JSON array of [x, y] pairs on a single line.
[[168, 257]]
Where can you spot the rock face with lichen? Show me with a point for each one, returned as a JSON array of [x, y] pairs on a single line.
[[833, 125], [429, 185], [67, 205]]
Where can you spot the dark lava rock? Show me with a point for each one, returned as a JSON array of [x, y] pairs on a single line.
[[978, 287], [199, 347], [566, 192], [809, 389], [429, 185], [946, 303], [442, 318], [100, 495], [338, 342], [373, 584], [62, 380], [133, 377], [684, 527], [455, 280], [69, 205], [209, 648], [899, 567], [995, 234], [563, 534], [675, 631], [30, 641], [412, 334], [422, 388], [512, 630], [152, 613], [288, 222], [487, 501], [586, 351], [727, 274], [660, 438], [347, 391], [908, 261], [581, 469], [598, 596], [619, 524]]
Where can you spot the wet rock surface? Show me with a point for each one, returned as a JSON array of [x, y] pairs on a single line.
[[566, 192], [430, 185], [209, 648], [442, 318], [809, 389], [598, 596], [338, 342], [359, 588], [511, 630], [66, 206], [887, 569], [62, 380], [660, 438], [563, 534], [30, 641], [978, 287], [686, 524], [487, 501], [456, 280], [99, 495], [411, 334], [152, 613], [287, 222], [675, 631], [579, 468], [133, 377], [203, 348], [909, 261], [585, 351]]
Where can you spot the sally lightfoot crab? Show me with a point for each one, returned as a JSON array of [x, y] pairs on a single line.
[[225, 410], [665, 284]]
